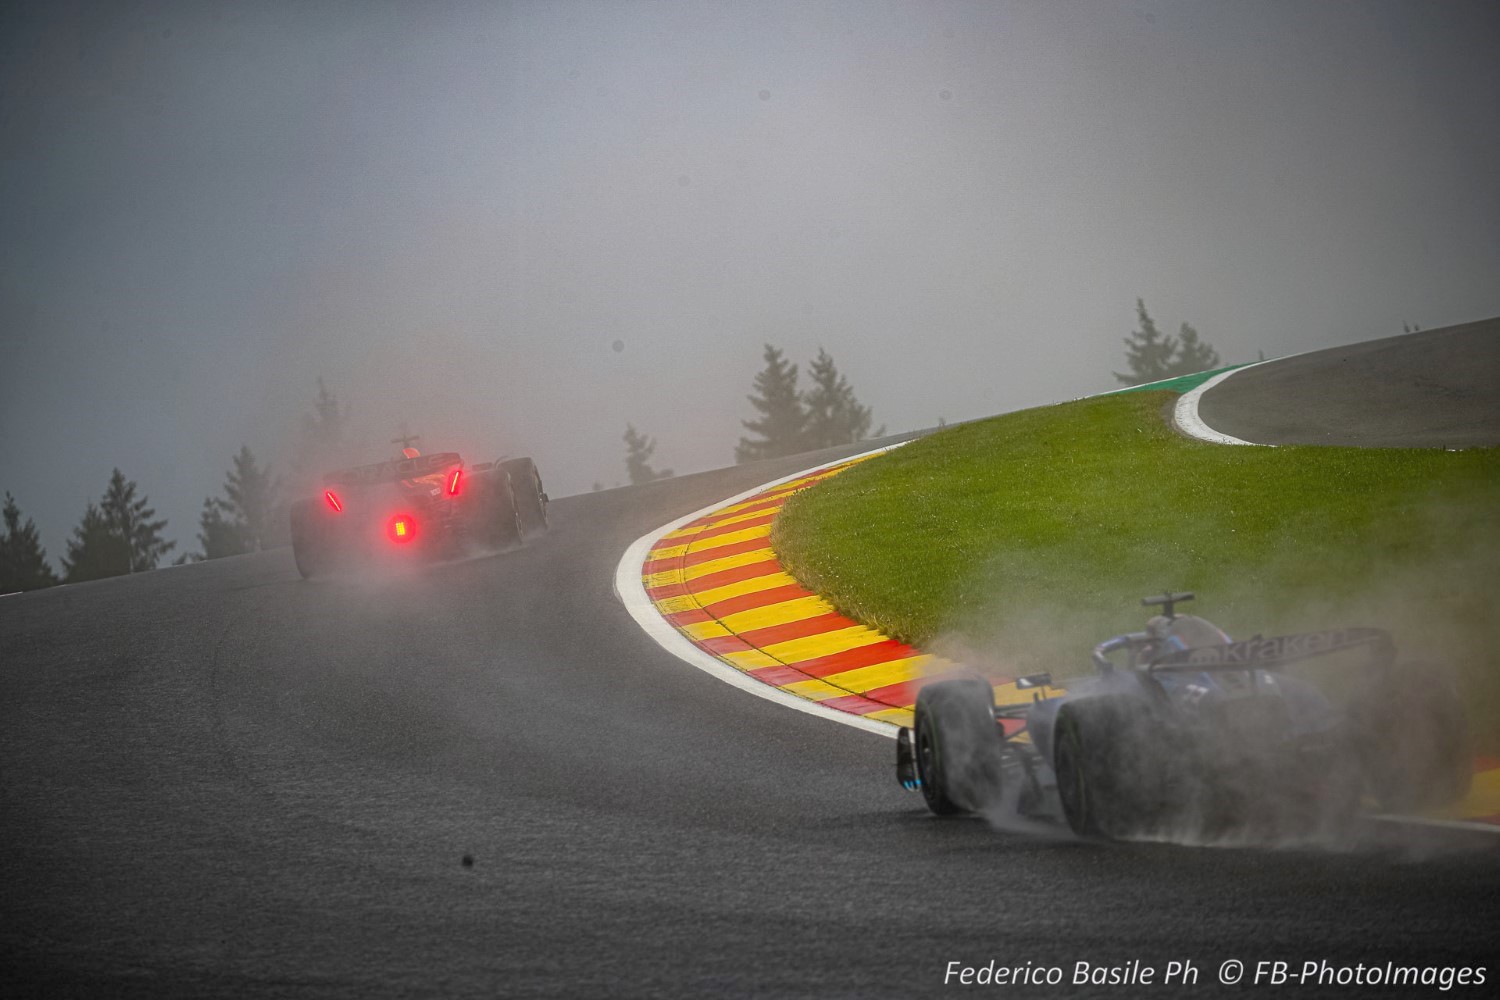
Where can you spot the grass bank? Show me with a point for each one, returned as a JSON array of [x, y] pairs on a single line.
[[1020, 540]]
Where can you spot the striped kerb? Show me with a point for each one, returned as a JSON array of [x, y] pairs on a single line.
[[717, 582]]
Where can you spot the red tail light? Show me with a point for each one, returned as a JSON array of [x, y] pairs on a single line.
[[453, 482], [333, 501], [402, 529]]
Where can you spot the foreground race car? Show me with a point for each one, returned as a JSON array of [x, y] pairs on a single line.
[[1191, 733], [417, 507]]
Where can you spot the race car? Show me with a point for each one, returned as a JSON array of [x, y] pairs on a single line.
[[1192, 733], [417, 507]]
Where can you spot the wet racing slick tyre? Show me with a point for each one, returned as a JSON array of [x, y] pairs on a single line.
[[506, 527], [1106, 753], [531, 500], [958, 746], [1413, 738], [311, 547]]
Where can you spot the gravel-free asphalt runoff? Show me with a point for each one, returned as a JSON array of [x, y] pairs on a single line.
[[221, 780]]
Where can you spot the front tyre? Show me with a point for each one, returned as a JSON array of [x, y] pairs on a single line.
[[958, 746]]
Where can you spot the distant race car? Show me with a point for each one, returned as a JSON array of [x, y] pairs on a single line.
[[417, 506], [1194, 732]]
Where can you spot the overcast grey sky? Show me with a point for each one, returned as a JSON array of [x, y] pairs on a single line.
[[452, 211]]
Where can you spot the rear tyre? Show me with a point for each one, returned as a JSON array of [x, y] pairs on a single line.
[[1413, 739], [1111, 773], [530, 499], [506, 527], [958, 746], [311, 548]]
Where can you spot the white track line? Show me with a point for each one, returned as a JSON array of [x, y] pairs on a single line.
[[1185, 413], [1472, 826], [630, 588]]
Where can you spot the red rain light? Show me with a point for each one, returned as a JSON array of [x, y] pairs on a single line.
[[333, 501], [453, 482], [402, 529]]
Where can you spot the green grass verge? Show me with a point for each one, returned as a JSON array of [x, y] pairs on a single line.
[[1019, 541]]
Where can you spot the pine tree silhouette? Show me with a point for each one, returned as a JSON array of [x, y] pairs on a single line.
[[1193, 354], [1148, 353], [638, 451], [1151, 356], [118, 536], [834, 414], [23, 561], [782, 418]]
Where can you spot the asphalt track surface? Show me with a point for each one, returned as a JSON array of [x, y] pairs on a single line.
[[1434, 389], [221, 780]]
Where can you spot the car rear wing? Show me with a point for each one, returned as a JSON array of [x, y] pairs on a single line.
[[1278, 650], [390, 472]]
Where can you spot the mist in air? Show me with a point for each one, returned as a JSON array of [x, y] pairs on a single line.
[[516, 229]]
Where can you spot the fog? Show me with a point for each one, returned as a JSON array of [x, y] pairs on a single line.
[[453, 213]]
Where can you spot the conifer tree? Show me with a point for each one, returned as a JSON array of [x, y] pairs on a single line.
[[1148, 353], [325, 433], [779, 428], [1193, 354], [250, 491], [638, 451], [1152, 357], [218, 532], [130, 517], [23, 561], [117, 536], [95, 551], [834, 414]]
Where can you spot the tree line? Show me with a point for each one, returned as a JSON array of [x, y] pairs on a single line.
[[120, 533], [789, 419], [792, 420]]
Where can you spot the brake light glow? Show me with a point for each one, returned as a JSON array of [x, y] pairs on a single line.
[[453, 482], [403, 528], [333, 501]]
